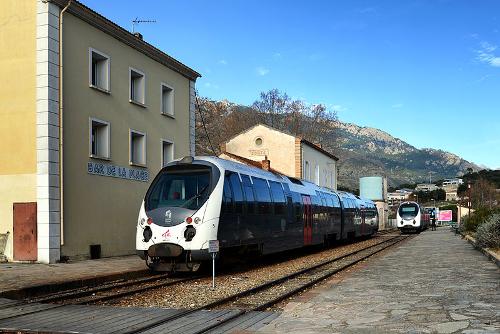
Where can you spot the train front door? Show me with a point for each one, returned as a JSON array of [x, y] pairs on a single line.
[[307, 220]]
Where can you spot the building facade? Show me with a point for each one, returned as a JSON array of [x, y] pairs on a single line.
[[426, 187], [92, 112], [288, 154]]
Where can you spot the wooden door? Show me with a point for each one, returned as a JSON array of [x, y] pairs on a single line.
[[25, 234], [307, 220]]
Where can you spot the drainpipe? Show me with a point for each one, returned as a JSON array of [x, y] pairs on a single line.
[[61, 108]]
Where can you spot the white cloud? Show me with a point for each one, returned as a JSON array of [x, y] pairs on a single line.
[[277, 55], [486, 54], [397, 105], [210, 85], [223, 62], [261, 70], [339, 108]]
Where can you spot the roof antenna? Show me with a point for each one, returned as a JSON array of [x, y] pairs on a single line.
[[136, 22]]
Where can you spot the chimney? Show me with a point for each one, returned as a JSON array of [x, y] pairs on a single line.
[[222, 147], [138, 35], [266, 164]]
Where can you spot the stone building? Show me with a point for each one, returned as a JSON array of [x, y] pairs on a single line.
[[288, 154], [89, 114]]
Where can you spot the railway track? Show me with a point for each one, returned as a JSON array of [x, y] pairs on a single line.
[[111, 290], [118, 289], [262, 297], [237, 307]]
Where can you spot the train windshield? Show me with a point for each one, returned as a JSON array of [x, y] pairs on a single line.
[[184, 189], [409, 210]]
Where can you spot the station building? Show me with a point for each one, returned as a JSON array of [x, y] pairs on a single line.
[[88, 114], [290, 155]]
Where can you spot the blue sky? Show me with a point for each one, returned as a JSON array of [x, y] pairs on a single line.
[[427, 72]]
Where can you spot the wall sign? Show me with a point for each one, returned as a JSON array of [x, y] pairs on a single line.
[[97, 168]]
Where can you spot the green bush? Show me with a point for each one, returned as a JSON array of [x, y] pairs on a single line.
[[476, 218], [488, 233]]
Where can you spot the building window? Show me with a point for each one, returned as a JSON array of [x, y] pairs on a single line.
[[317, 175], [99, 139], [167, 152], [99, 66], [258, 141], [167, 100], [137, 83], [137, 148], [307, 171]]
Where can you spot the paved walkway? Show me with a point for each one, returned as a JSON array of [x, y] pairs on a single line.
[[434, 283], [15, 276]]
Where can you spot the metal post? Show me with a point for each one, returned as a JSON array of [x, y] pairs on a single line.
[[213, 270], [469, 201]]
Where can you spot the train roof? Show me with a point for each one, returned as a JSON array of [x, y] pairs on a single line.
[[295, 184]]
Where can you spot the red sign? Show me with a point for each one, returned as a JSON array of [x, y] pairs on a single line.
[[445, 216]]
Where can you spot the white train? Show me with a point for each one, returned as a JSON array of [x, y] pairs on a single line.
[[249, 210], [411, 217]]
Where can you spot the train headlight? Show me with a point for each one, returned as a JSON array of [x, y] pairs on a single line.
[[197, 220], [142, 221], [402, 222], [189, 233], [150, 221], [147, 234], [414, 221], [189, 220]]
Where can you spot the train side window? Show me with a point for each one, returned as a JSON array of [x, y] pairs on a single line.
[[316, 204], [227, 196], [329, 202], [336, 201], [297, 206], [248, 191], [237, 193], [263, 195], [278, 197]]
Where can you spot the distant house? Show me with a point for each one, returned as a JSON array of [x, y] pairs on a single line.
[[426, 187], [290, 155], [398, 196]]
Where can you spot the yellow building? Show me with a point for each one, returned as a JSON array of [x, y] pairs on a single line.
[[88, 115], [288, 154]]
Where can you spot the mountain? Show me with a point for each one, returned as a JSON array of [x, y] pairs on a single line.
[[366, 151], [363, 151]]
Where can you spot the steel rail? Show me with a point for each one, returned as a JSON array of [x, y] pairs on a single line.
[[82, 291]]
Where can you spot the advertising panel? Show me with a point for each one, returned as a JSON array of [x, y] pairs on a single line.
[[445, 215]]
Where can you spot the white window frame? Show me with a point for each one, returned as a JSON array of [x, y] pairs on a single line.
[[162, 141], [130, 135], [136, 102], [172, 100], [95, 156], [106, 89]]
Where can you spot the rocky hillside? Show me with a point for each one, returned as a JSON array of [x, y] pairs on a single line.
[[365, 151]]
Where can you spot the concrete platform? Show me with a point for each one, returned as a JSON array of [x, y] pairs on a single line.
[[20, 279], [434, 283]]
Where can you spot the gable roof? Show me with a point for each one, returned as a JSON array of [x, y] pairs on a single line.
[[302, 140], [249, 162], [102, 23]]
